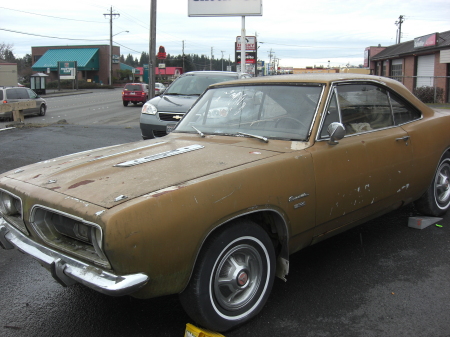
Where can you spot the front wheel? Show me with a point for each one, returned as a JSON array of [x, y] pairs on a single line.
[[42, 110], [232, 278], [436, 200]]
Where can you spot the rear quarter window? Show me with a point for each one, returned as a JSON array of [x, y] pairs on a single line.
[[12, 94]]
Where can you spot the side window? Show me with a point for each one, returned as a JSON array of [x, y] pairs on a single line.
[[364, 107], [332, 115], [11, 94], [403, 112], [23, 94]]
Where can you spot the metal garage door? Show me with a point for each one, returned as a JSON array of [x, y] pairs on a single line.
[[425, 71]]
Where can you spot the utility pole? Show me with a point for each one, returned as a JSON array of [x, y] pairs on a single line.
[[210, 61], [183, 55], [399, 29], [111, 15], [152, 47], [270, 59], [222, 51]]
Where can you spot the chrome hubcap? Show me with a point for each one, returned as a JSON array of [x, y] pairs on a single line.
[[237, 277], [442, 185]]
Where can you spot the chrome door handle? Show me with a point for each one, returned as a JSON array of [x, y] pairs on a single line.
[[406, 138]]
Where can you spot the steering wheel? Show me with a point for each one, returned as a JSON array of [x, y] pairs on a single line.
[[291, 119]]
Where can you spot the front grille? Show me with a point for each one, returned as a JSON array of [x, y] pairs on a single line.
[[11, 210], [170, 116], [159, 133], [17, 222]]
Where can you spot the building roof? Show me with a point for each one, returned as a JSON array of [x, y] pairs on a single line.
[[124, 66], [87, 59], [406, 48]]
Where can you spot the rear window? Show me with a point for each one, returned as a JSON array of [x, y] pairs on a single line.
[[1, 95], [133, 87], [196, 84]]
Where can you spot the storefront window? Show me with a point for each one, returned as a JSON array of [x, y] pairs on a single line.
[[396, 72]]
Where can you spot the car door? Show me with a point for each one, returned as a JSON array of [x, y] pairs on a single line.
[[31, 95], [368, 171]]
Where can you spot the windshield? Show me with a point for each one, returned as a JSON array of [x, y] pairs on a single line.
[[195, 84], [272, 111]]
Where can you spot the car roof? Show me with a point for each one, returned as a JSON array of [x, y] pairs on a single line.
[[322, 78], [205, 73]]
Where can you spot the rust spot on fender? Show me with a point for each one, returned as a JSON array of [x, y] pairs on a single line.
[[81, 183]]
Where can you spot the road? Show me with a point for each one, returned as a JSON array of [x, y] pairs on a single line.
[[103, 107], [379, 279]]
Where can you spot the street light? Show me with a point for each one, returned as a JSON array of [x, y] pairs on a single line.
[[110, 53]]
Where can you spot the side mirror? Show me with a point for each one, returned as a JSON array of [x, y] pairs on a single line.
[[336, 131], [170, 127]]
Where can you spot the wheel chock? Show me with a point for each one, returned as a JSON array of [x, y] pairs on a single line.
[[421, 222], [193, 331]]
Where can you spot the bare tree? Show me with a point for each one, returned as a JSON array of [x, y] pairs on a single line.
[[6, 52]]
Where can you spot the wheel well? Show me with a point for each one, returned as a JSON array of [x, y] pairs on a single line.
[[275, 226]]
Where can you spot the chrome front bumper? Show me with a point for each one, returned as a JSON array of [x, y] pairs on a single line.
[[67, 270]]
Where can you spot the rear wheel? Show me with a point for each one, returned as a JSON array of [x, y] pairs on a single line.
[[436, 200], [125, 103], [232, 278]]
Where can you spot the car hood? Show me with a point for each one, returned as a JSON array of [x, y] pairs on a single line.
[[173, 103], [112, 175]]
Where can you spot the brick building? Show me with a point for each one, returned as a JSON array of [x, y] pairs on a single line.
[[424, 61], [93, 61]]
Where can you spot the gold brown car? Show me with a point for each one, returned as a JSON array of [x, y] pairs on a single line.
[[256, 170]]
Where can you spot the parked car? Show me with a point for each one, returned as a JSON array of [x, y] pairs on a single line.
[[134, 93], [257, 170], [159, 88], [20, 94], [177, 99]]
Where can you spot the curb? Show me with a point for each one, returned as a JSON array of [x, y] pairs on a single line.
[[66, 93]]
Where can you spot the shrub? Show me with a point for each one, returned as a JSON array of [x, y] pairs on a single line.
[[426, 94]]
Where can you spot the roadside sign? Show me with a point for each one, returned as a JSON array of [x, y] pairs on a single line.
[[67, 70], [224, 8]]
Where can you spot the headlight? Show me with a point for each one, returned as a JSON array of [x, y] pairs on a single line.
[[9, 204], [69, 233], [149, 109]]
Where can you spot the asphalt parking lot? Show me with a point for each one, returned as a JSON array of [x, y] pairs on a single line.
[[379, 279]]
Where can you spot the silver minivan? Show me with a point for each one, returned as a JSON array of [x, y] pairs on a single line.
[[19, 94]]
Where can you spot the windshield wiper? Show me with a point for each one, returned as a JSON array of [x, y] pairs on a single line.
[[264, 139], [198, 131]]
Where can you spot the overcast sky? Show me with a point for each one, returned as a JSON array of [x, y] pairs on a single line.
[[299, 33]]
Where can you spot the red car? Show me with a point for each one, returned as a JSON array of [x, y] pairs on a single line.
[[135, 93]]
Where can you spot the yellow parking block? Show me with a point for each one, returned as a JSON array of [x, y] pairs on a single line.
[[193, 331]]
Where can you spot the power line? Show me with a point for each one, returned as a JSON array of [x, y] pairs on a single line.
[[50, 37], [49, 16]]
